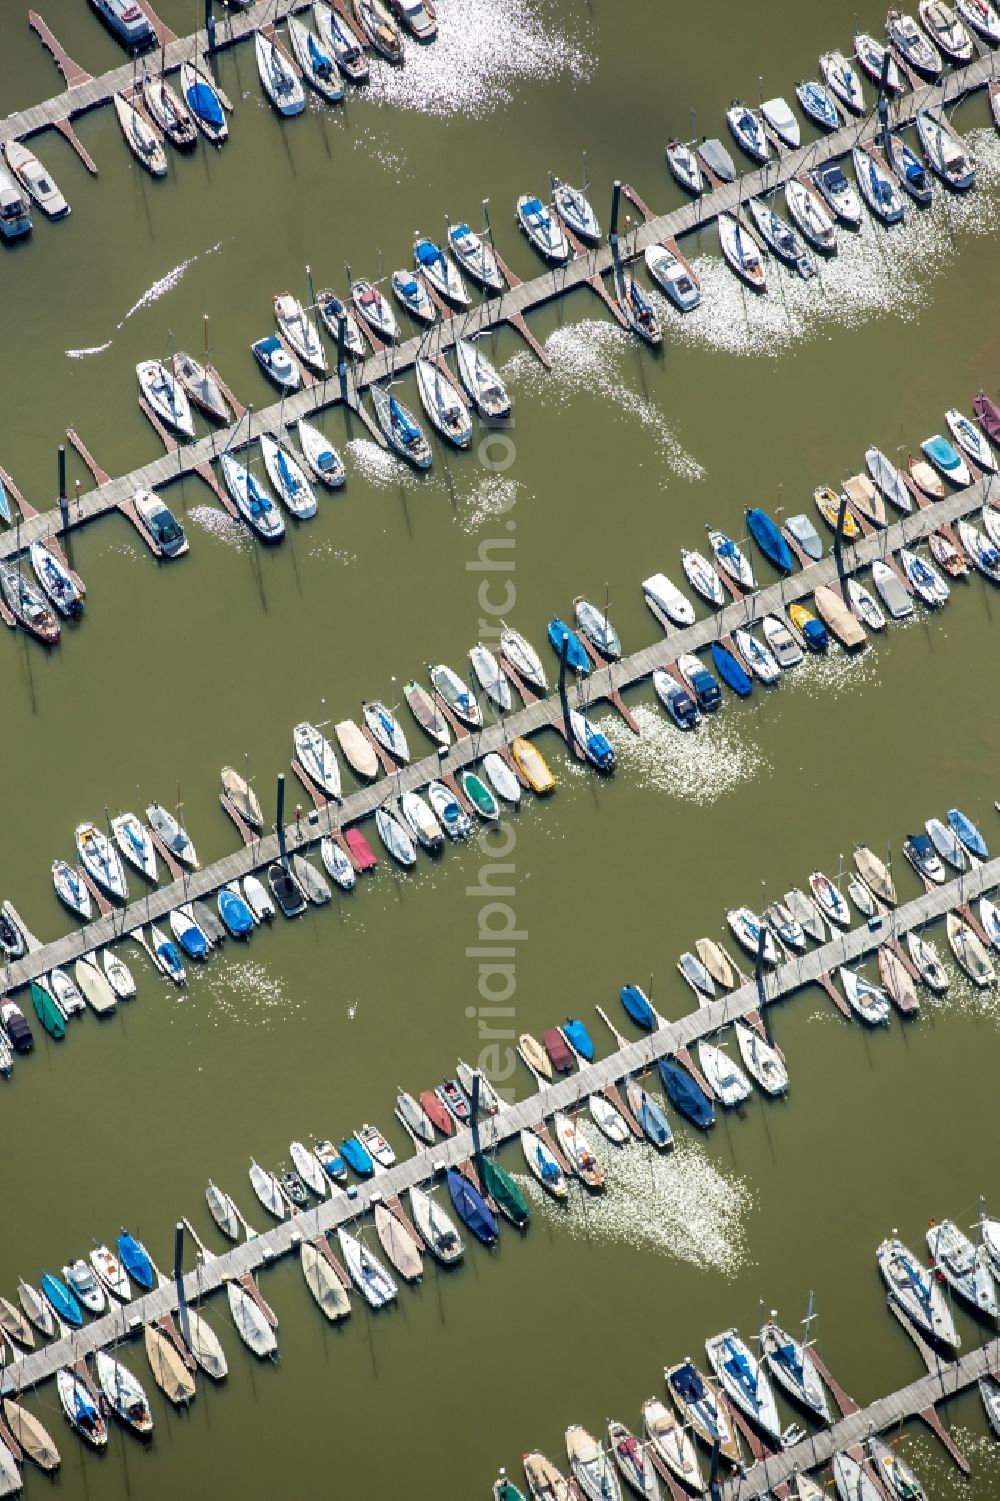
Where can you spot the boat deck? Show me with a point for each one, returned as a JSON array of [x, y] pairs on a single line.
[[566, 1093]]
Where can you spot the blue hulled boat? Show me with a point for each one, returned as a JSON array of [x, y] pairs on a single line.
[[730, 671], [61, 1300], [235, 913], [968, 833], [576, 656], [685, 1095], [356, 1157], [768, 538], [579, 1038], [647, 1111], [472, 1209], [136, 1260], [635, 1003]]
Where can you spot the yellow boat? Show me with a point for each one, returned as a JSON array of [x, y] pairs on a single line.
[[800, 616], [828, 505], [533, 765]]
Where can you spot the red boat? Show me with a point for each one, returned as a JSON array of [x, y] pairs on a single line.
[[361, 851], [436, 1112], [555, 1046], [989, 416]]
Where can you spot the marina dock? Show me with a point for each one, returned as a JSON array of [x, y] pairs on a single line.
[[565, 1094]]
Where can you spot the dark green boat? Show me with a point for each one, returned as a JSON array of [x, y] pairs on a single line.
[[47, 1011], [505, 1193]]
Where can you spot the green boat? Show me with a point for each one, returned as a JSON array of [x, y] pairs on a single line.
[[504, 1489], [479, 795], [502, 1189], [47, 1011]]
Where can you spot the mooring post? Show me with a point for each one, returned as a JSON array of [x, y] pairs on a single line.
[[209, 25], [758, 974], [279, 818], [616, 198], [179, 1280], [477, 1150], [342, 354], [838, 538], [63, 502], [563, 700]]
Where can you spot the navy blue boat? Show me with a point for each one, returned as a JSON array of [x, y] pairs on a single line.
[[768, 538], [685, 1095], [472, 1209], [235, 913], [576, 656], [705, 689], [61, 1300], [650, 1116], [637, 1006], [193, 941], [578, 1037], [356, 1157], [135, 1259], [730, 671]]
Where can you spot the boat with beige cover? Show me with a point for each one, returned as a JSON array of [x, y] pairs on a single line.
[[167, 1364], [398, 1244], [323, 1282]]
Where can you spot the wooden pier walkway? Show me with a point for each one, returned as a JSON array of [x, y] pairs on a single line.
[[566, 1093], [605, 683]]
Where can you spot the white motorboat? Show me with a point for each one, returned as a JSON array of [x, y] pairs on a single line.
[[778, 114], [288, 478], [35, 180], [112, 1274], [161, 524], [891, 590], [667, 598], [675, 279], [165, 396], [80, 1279]]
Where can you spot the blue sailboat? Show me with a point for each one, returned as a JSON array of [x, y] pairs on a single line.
[[686, 1095], [472, 1209], [136, 1260], [579, 1038], [768, 538], [61, 1300], [649, 1114], [576, 657], [356, 1157], [730, 671], [234, 913], [638, 1007], [966, 830]]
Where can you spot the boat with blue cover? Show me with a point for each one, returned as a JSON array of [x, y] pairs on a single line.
[[946, 457], [441, 271], [62, 1302], [136, 1260], [792, 1365], [542, 229], [817, 103], [578, 1037], [472, 1209], [768, 538], [401, 430], [167, 956], [318, 68], [189, 935], [596, 746], [576, 656], [235, 913], [414, 296], [877, 188], [638, 1007], [743, 1381], [908, 167], [730, 671], [649, 1113], [676, 700], [708, 694], [203, 101], [968, 833], [685, 1094], [356, 1157], [748, 131], [814, 633], [699, 1407]]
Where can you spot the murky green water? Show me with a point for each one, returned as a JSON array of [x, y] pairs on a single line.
[[621, 459]]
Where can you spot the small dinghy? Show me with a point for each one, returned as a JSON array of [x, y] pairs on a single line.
[[336, 864], [341, 41], [323, 1282], [666, 597], [317, 756], [252, 500], [778, 115], [281, 84], [781, 239], [379, 29], [140, 138], [782, 643], [810, 216], [891, 591], [701, 1410], [203, 100], [319, 69], [742, 253], [841, 79], [277, 364], [436, 1228], [829, 899], [80, 1410], [170, 833], [298, 328], [969, 951], [400, 429], [672, 277], [908, 167], [285, 889], [916, 1291], [576, 212], [201, 387], [947, 460], [817, 102], [476, 257], [577, 1150], [927, 583], [965, 1269], [484, 386], [748, 131], [609, 1121], [56, 580], [877, 188], [838, 194], [237, 915], [878, 62], [165, 396], [729, 1083], [767, 535], [763, 1062], [685, 1094], [703, 578], [743, 1381], [440, 271], [441, 401], [395, 838], [123, 1393], [251, 1324], [889, 480], [792, 1366], [684, 167], [913, 46], [494, 684], [542, 229], [70, 889], [717, 159]]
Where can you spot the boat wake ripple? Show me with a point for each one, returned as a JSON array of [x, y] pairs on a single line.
[[588, 357], [699, 766], [485, 48], [493, 496], [220, 524], [152, 294], [874, 272], [681, 1205], [375, 464], [81, 354], [244, 990]]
